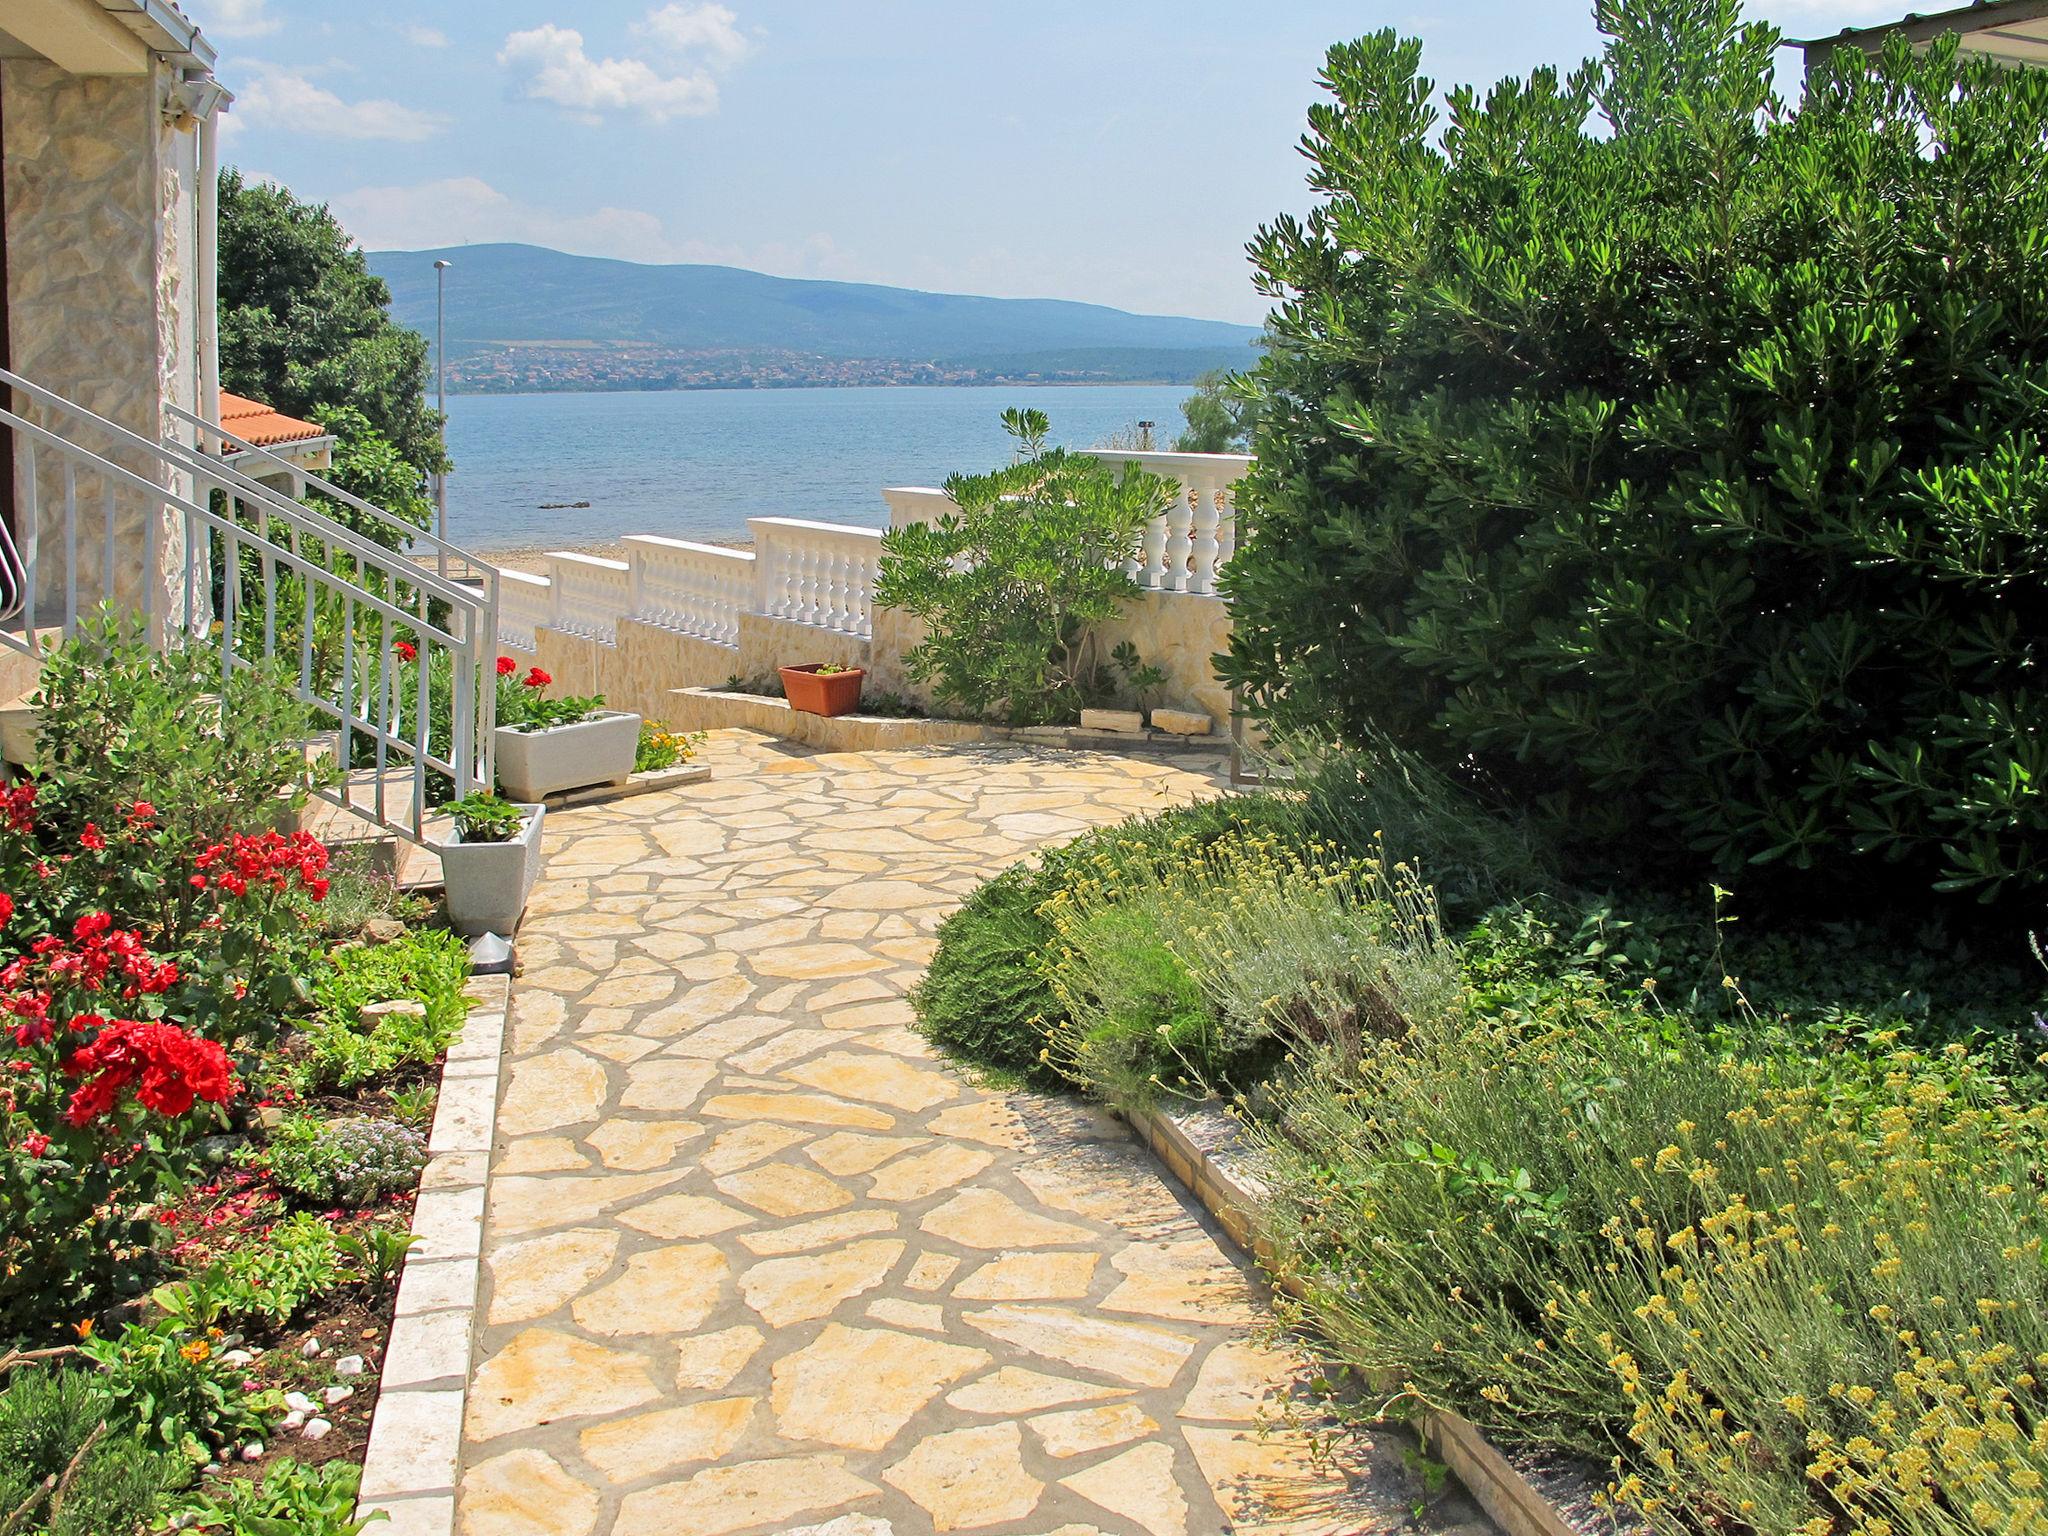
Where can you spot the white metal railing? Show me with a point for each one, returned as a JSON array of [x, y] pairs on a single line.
[[821, 574], [449, 561], [590, 595], [1183, 550], [693, 589], [109, 515]]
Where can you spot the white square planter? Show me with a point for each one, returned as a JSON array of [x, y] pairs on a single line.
[[488, 883], [599, 750]]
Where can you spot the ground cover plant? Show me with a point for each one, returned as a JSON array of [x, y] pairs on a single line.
[[1664, 458], [210, 1090]]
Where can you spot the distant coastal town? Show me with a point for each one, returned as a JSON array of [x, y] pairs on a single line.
[[487, 368]]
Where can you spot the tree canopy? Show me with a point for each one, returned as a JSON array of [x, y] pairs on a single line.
[[305, 327]]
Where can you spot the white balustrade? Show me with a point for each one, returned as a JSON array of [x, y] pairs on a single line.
[[591, 595], [692, 589], [526, 605], [820, 574], [916, 504], [1183, 550]]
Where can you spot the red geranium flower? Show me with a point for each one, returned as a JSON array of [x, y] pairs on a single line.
[[168, 1069], [406, 651], [35, 1144], [92, 838], [537, 679], [140, 813], [507, 666], [6, 908]]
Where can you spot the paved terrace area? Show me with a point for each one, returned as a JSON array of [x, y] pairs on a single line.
[[758, 1261]]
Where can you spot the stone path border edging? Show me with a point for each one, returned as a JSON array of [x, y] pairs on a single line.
[[700, 709], [410, 1469], [1507, 1497]]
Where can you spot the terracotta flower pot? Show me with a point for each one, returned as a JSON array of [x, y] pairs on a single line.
[[822, 693]]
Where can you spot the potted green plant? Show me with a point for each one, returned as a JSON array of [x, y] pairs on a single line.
[[490, 862], [823, 688], [544, 745]]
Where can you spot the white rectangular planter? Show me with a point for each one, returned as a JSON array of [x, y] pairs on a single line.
[[599, 750], [488, 883]]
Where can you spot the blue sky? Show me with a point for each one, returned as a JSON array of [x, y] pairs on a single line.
[[1119, 151]]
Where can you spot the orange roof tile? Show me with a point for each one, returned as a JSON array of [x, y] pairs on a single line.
[[255, 422]]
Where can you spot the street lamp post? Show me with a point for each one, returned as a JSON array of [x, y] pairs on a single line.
[[441, 405]]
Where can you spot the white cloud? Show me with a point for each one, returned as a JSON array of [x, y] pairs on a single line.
[[422, 36], [695, 40], [284, 100], [238, 18], [686, 29]]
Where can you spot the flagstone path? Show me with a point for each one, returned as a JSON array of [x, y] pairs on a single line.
[[758, 1261]]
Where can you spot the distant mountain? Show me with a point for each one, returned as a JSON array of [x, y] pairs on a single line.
[[525, 299]]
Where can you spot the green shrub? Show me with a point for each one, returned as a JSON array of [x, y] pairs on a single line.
[[352, 1162], [1789, 1300], [1187, 967], [46, 1418], [984, 997], [1670, 458], [1013, 586]]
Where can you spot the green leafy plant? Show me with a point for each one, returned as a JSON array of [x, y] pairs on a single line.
[[414, 1104], [482, 817], [352, 1161], [1014, 586], [662, 748], [427, 966], [1660, 455], [298, 1261], [378, 1254], [173, 1392], [292, 1500]]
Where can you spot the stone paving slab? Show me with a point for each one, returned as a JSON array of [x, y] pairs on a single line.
[[757, 1261]]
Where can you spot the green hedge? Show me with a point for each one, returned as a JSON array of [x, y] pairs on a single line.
[[1669, 461]]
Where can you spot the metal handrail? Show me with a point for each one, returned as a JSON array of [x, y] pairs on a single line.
[[453, 626], [411, 532]]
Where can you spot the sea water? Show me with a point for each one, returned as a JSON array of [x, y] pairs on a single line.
[[696, 464]]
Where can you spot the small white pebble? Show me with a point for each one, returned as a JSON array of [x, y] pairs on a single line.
[[349, 1365], [211, 1469], [316, 1429], [292, 1420], [310, 1348], [298, 1402], [239, 1357], [253, 1451], [336, 1396]]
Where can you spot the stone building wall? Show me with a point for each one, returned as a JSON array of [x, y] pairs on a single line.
[[100, 219]]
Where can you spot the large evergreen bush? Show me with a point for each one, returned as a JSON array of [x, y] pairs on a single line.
[[1669, 459]]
